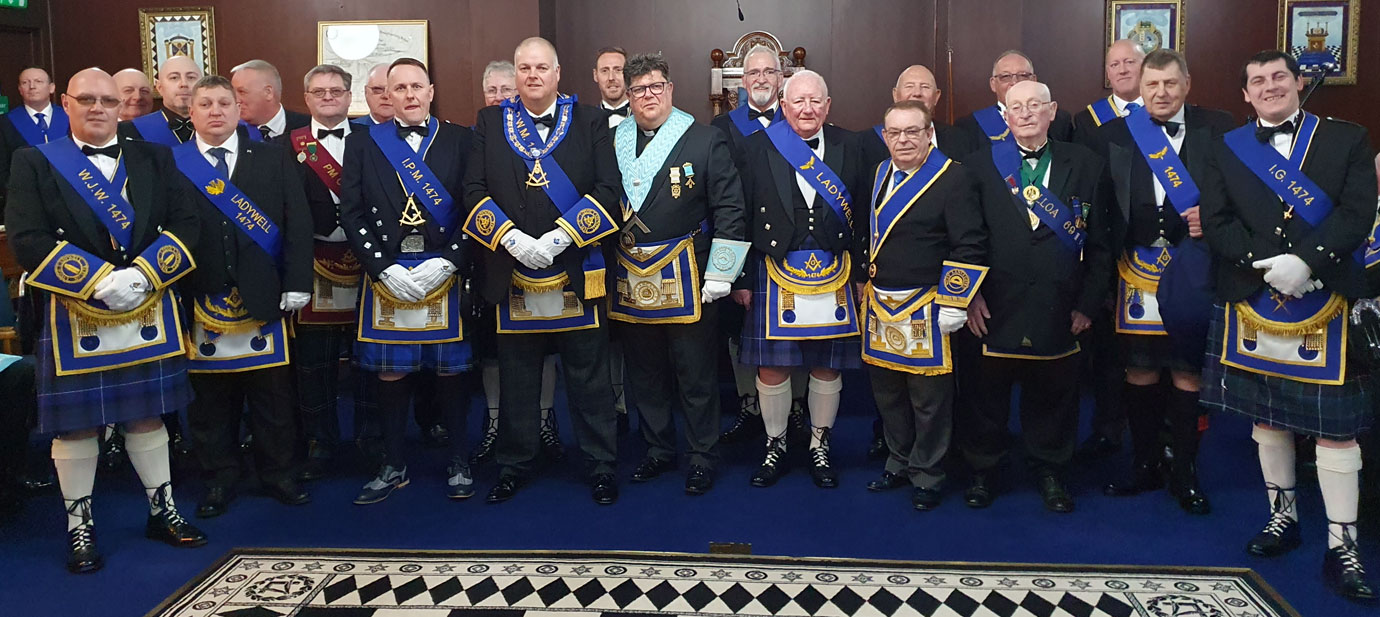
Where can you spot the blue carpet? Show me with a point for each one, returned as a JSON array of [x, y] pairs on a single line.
[[792, 518]]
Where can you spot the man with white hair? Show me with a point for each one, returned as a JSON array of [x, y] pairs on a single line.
[[800, 181], [499, 82], [988, 125], [259, 88], [376, 95]]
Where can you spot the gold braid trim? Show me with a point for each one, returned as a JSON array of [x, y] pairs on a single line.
[[92, 317], [1134, 278], [872, 297], [217, 325], [325, 272], [532, 285], [839, 280], [388, 300], [1336, 305]]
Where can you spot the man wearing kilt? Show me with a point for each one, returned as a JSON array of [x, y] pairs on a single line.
[[921, 242], [399, 207], [801, 310], [1287, 201], [104, 236], [1155, 155], [682, 215], [255, 258], [542, 180], [325, 325]]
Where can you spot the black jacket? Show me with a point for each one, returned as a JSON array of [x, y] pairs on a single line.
[[226, 256], [945, 222], [1061, 129], [325, 213], [1035, 281], [736, 140], [494, 170], [953, 142], [127, 129], [1240, 214]]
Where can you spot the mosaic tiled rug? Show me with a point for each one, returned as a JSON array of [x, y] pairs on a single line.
[[371, 583]]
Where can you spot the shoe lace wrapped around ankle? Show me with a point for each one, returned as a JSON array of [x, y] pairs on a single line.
[[1280, 506], [1348, 553], [81, 507], [776, 448], [160, 499], [549, 433]]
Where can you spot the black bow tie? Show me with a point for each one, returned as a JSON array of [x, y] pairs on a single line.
[[1033, 155], [179, 124], [753, 114], [1264, 133], [419, 130], [548, 121], [324, 133], [112, 151], [812, 143], [1170, 126], [617, 111]]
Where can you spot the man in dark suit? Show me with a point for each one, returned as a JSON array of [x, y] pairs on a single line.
[[259, 88], [376, 95], [1153, 220], [988, 124], [916, 83], [114, 252], [1122, 69], [541, 195], [136, 93], [248, 276], [399, 205], [800, 181], [666, 313], [1042, 201], [1287, 201], [34, 122], [613, 88], [176, 77], [921, 245]]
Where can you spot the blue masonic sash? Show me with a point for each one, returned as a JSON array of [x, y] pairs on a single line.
[[747, 127], [1169, 169], [58, 126], [101, 195], [230, 201], [417, 178], [154, 127], [1066, 221], [1004, 152], [384, 318], [1103, 111], [896, 204], [815, 172]]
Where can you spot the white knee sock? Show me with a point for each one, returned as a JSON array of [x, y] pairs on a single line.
[[548, 383], [1339, 479], [490, 376], [824, 406], [75, 461], [775, 403], [148, 453], [1277, 465]]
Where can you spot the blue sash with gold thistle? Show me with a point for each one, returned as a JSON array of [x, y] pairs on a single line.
[[1103, 111], [747, 126], [226, 339], [1302, 339], [58, 126], [101, 195], [230, 200], [817, 174], [383, 318], [417, 178]]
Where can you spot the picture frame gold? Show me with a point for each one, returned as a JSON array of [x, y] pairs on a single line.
[[1151, 24], [1318, 31], [357, 46], [166, 32]]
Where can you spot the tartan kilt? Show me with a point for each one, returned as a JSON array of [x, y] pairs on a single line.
[[74, 402], [1153, 352], [1328, 412], [446, 358], [756, 350]]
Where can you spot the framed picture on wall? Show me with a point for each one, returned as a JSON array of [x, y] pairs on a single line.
[[187, 31], [1322, 33], [358, 46], [1152, 25]]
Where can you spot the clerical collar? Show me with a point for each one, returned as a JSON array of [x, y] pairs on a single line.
[[80, 143], [1121, 103], [649, 132], [231, 143]]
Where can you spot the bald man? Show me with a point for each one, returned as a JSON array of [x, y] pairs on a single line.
[[103, 231], [988, 124], [1122, 69], [916, 83], [171, 125], [136, 93], [376, 95]]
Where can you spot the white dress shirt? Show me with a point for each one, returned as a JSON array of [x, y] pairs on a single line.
[[413, 139], [806, 190], [1121, 104], [277, 125], [1176, 142], [336, 147], [542, 130], [104, 163], [770, 113], [615, 120], [46, 111], [232, 144], [1283, 143]]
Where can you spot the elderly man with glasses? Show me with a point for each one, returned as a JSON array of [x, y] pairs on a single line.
[[988, 125]]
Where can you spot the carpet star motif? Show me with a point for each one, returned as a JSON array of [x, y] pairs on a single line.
[[313, 566], [511, 568], [376, 568], [720, 573], [250, 565], [791, 576], [445, 569], [1223, 587], [1081, 584], [934, 580], [862, 578], [650, 571], [220, 591], [580, 569], [1008, 583], [1151, 585]]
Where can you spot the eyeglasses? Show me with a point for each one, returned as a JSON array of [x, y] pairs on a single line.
[[655, 89], [377, 90], [87, 100], [320, 93], [1011, 78], [505, 91], [1033, 107], [755, 73], [910, 133]]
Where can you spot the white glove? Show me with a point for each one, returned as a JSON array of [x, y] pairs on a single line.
[[952, 319], [399, 282], [123, 289], [713, 290], [431, 273], [1286, 273], [525, 249], [555, 241], [293, 300]]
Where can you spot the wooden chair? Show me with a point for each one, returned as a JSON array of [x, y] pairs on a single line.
[[726, 76]]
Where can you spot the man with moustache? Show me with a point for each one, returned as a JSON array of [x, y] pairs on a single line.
[[1042, 201], [110, 351], [136, 93], [801, 311], [323, 326], [613, 92], [1287, 202], [676, 224], [249, 277], [1155, 157], [400, 208], [169, 125], [259, 88], [1122, 70], [924, 241], [541, 182], [377, 97], [988, 125], [35, 122]]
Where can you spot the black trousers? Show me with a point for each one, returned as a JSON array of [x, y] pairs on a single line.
[[1048, 411], [967, 356], [917, 422], [589, 392], [668, 364], [316, 362], [214, 418], [18, 412], [1105, 369]]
